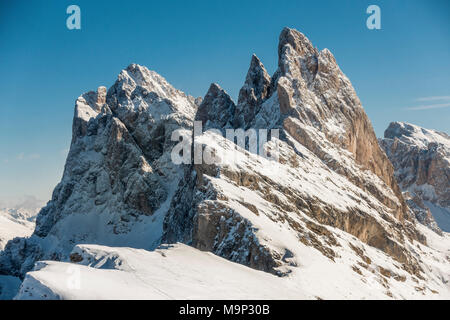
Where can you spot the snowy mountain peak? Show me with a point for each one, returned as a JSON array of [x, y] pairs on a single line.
[[320, 109], [295, 40], [412, 134], [139, 76], [138, 88], [16, 222]]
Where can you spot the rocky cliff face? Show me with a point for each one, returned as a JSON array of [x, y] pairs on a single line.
[[421, 158], [324, 128], [118, 172], [328, 202]]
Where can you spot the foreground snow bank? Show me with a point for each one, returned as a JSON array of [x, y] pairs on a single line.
[[175, 272], [183, 272], [9, 286]]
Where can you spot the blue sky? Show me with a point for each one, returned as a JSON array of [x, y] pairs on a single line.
[[45, 66]]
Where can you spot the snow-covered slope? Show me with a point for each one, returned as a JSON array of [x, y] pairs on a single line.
[[421, 158], [15, 223], [251, 217], [415, 135], [179, 272], [182, 272]]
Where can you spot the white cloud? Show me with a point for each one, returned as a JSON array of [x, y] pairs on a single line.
[[444, 102], [430, 106], [434, 98], [28, 202], [34, 156]]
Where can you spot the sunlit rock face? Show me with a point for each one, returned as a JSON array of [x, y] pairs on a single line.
[[332, 172]]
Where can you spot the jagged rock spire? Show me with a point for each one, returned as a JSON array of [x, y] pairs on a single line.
[[297, 40], [256, 83], [256, 88], [316, 98], [216, 109]]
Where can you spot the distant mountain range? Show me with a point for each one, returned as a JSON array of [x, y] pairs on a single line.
[[421, 158], [16, 222]]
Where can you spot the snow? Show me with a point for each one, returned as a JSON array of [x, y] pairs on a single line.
[[422, 137], [176, 272], [441, 215], [182, 272], [83, 110], [317, 274], [14, 223], [427, 150], [158, 92], [312, 177], [90, 227], [9, 286]]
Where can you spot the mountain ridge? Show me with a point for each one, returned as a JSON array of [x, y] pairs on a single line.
[[330, 201]]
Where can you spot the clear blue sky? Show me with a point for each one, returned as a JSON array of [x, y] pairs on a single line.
[[45, 67]]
